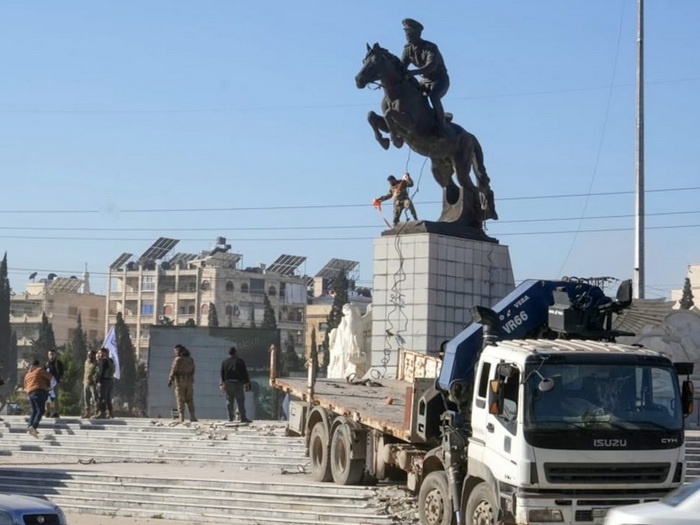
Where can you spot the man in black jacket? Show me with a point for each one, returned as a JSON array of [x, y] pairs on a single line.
[[55, 367], [234, 383], [105, 384]]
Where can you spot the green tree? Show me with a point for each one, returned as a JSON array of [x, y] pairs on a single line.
[[340, 286], [687, 302], [252, 317], [213, 317], [46, 340], [71, 391], [269, 318], [125, 387], [290, 361], [7, 364], [313, 351], [14, 356], [141, 390], [78, 342]]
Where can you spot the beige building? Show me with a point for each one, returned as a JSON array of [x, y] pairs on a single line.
[[61, 299], [157, 289]]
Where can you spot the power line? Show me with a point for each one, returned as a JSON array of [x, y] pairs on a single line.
[[335, 227], [326, 239], [306, 107], [332, 206]]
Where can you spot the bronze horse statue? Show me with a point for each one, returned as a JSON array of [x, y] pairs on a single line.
[[408, 118]]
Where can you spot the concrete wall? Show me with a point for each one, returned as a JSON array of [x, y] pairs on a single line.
[[209, 347]]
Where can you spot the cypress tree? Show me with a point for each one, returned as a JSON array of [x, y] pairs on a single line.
[[269, 318], [46, 340], [213, 317], [7, 364], [687, 302], [78, 342], [340, 285], [125, 387]]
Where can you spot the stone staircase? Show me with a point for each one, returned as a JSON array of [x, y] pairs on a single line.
[[203, 472]]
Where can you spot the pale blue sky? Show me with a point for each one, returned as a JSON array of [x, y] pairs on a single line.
[[245, 116]]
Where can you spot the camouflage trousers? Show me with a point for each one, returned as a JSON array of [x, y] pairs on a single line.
[[184, 396]]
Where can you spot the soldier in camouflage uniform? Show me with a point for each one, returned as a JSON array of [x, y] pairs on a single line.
[[182, 374], [398, 190]]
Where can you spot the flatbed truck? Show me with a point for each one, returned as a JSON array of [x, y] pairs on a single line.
[[533, 414]]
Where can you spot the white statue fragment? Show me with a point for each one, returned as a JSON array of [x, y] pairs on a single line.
[[348, 353]]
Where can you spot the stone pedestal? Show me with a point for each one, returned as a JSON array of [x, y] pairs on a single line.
[[424, 284]]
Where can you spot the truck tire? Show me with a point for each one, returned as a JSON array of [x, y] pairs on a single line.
[[346, 471], [482, 508], [434, 502], [319, 452]]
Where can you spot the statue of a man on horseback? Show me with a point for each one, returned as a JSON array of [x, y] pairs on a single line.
[[407, 117], [427, 58]]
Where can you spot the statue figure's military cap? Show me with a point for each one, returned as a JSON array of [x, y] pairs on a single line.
[[409, 23]]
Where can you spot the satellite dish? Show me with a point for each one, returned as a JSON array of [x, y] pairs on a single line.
[[33, 275], [51, 276]]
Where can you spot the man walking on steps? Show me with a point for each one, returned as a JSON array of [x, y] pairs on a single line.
[[235, 383], [182, 375]]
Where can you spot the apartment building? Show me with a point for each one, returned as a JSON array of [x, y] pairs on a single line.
[[62, 299], [159, 289]]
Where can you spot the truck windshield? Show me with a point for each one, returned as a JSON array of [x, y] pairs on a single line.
[[630, 396]]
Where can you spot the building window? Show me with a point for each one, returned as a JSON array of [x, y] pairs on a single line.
[[168, 309], [94, 313], [71, 333], [229, 286], [73, 311], [182, 310], [191, 287], [257, 286], [190, 309], [147, 309], [244, 288], [229, 310], [272, 291], [148, 283], [205, 309], [206, 286]]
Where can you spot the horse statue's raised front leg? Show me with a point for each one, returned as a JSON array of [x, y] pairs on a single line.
[[378, 125]]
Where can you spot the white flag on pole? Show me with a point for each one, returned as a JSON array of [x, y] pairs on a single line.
[[110, 343]]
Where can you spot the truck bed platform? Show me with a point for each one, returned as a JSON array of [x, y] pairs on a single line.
[[380, 405]]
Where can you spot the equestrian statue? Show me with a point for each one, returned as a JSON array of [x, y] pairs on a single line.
[[408, 118]]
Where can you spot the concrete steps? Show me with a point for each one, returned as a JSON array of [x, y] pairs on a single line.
[[204, 472], [206, 500], [196, 444]]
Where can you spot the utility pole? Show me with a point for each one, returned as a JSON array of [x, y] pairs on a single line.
[[639, 267]]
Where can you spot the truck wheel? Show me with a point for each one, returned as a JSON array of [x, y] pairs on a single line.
[[319, 452], [481, 506], [346, 471], [434, 502]]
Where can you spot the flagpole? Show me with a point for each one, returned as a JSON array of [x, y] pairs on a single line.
[[639, 266]]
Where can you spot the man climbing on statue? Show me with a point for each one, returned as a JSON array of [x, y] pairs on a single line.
[[431, 67], [398, 190]]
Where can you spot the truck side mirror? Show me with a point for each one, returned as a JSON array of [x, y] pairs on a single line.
[[687, 391]]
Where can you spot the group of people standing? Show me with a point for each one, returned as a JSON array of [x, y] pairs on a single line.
[[234, 383], [42, 385]]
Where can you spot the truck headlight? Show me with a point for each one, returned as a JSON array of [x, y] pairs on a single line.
[[544, 515], [5, 519]]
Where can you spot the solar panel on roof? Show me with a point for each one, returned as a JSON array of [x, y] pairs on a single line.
[[64, 285], [286, 264], [119, 261], [159, 249], [335, 266]]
